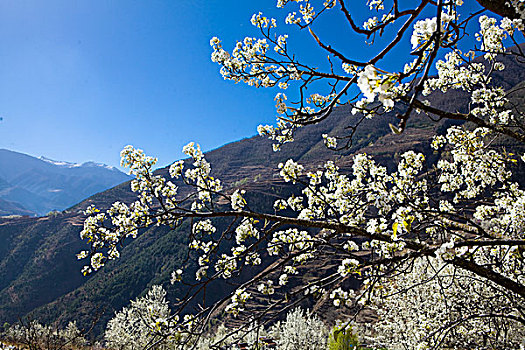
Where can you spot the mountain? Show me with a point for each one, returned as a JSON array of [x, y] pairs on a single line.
[[8, 208], [36, 186], [40, 276]]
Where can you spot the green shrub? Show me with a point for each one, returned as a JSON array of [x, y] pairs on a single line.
[[342, 338]]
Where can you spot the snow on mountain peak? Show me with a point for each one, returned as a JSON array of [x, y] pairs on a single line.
[[59, 163], [65, 164]]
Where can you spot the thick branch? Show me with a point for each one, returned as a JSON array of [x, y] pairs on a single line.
[[500, 7], [466, 117], [490, 275]]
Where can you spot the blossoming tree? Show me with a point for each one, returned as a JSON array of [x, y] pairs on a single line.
[[440, 250]]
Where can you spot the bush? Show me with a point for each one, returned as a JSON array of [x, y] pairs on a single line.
[[302, 330], [35, 336], [343, 338]]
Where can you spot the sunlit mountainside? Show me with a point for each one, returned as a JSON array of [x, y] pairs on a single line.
[[36, 186]]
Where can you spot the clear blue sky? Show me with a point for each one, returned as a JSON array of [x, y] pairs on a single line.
[[82, 79]]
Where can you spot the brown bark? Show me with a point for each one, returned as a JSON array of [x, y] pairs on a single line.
[[499, 7]]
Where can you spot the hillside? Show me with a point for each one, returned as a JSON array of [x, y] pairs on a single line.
[[36, 186], [45, 277], [40, 275]]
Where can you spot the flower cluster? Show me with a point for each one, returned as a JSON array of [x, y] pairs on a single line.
[[239, 298], [425, 29], [491, 35], [465, 303], [237, 201], [147, 320], [34, 335], [372, 84], [290, 171]]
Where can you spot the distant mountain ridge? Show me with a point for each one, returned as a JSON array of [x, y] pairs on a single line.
[[76, 165], [36, 186]]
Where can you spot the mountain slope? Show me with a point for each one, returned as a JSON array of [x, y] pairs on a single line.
[[12, 208], [42, 185]]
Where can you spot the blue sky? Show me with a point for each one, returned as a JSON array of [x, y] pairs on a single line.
[[82, 79]]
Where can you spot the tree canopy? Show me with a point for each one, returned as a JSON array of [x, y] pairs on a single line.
[[438, 246]]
